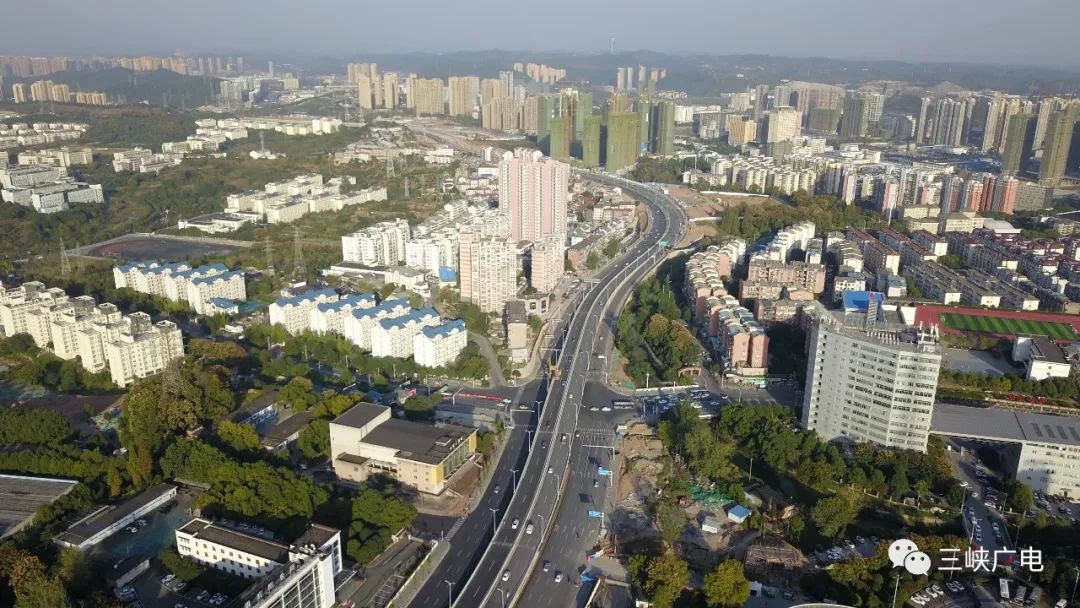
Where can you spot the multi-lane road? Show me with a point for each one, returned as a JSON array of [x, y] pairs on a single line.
[[556, 490]]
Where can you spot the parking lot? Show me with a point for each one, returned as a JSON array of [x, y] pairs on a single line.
[[976, 362]]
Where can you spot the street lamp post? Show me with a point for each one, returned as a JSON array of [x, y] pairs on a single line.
[[494, 523], [503, 596], [449, 592], [515, 472]]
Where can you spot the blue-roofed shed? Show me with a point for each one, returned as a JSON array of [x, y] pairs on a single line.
[[738, 514]]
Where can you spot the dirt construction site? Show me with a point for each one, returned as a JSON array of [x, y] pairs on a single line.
[[701, 205], [641, 464]]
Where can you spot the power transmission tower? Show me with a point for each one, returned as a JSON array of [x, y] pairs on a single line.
[[171, 384], [65, 263], [389, 167], [269, 257], [298, 256]]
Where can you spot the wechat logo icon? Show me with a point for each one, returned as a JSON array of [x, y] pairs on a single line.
[[905, 554]]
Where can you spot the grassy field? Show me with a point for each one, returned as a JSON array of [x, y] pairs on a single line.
[[996, 325]]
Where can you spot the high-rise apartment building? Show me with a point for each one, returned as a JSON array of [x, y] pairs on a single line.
[[533, 189], [854, 121], [491, 264], [19, 94], [1045, 108], [545, 111], [390, 91], [1019, 144], [582, 112], [869, 379], [645, 115], [365, 95], [429, 94], [782, 124], [622, 141], [947, 122], [663, 140], [546, 263], [1059, 136], [462, 92], [559, 137], [590, 142], [741, 130]]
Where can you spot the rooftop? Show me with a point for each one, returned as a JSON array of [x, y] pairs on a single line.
[[100, 520], [280, 432], [21, 496], [1051, 352], [308, 296], [1004, 425], [444, 329], [211, 532], [360, 415], [416, 441]]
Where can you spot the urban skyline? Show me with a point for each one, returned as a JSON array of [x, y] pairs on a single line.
[[862, 34]]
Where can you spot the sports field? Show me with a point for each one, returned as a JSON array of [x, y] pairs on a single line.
[[1008, 326]]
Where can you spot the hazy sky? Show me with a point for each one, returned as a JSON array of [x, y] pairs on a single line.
[[1013, 31]]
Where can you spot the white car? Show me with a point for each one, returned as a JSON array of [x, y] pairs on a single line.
[[528, 528], [514, 524], [506, 575], [558, 577]]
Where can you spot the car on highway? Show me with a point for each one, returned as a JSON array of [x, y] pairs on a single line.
[[595, 483], [543, 444], [514, 524], [496, 489], [547, 565], [528, 528], [558, 577], [551, 470], [506, 402], [506, 575]]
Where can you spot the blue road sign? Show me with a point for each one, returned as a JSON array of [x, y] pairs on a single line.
[[596, 514], [604, 472]]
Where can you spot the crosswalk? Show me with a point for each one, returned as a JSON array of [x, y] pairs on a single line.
[[454, 528]]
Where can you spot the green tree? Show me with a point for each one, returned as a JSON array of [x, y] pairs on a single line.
[[592, 262], [239, 438], [665, 576], [183, 569], [956, 495], [611, 248], [76, 571], [1020, 496], [114, 481], [314, 440], [298, 394], [832, 514], [672, 521], [727, 585]]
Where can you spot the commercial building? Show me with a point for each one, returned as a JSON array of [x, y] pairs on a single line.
[[366, 440], [246, 555], [299, 575], [870, 379], [533, 189], [294, 312], [1048, 459], [439, 345]]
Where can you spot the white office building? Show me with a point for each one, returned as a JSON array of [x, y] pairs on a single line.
[[870, 381], [294, 313], [394, 337], [1048, 458], [329, 317], [359, 325], [439, 345]]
